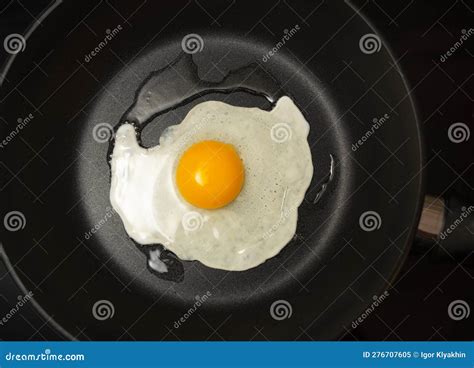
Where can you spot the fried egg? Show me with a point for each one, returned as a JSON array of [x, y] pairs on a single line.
[[223, 187]]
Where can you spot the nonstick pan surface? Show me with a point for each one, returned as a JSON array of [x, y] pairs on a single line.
[[73, 252]]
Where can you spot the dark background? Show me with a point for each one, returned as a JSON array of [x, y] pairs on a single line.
[[418, 32]]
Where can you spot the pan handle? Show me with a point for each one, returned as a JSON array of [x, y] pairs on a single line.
[[447, 223]]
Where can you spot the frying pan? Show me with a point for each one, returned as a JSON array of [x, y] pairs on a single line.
[[355, 226]]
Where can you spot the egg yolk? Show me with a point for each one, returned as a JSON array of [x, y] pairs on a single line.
[[210, 174]]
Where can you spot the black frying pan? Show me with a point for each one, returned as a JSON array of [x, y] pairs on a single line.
[[57, 175]]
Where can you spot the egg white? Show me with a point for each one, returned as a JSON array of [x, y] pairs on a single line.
[[257, 224]]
